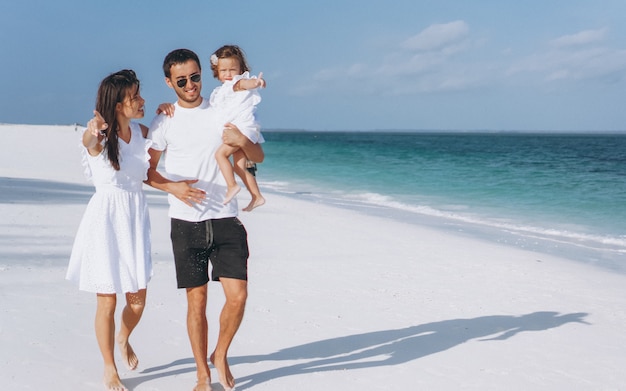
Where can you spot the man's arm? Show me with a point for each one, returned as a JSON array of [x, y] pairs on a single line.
[[233, 137], [181, 190]]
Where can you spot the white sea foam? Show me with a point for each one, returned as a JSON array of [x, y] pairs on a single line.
[[588, 247]]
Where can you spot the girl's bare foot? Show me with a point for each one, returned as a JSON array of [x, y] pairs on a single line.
[[255, 202], [231, 193]]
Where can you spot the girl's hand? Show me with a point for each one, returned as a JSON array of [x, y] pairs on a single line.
[[97, 125], [166, 108], [250, 84], [260, 81]]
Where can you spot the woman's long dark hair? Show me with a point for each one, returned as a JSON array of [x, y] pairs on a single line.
[[113, 90]]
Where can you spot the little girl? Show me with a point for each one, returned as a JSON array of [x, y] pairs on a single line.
[[236, 100], [111, 252]]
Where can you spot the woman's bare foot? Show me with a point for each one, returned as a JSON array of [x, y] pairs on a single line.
[[231, 193], [203, 385], [112, 381], [128, 354], [255, 202], [223, 372]]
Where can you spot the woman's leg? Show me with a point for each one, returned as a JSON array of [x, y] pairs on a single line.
[[135, 303], [222, 156], [105, 334]]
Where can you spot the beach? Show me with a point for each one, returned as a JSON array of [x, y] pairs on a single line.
[[338, 299]]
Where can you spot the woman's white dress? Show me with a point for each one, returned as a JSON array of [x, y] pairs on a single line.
[[111, 252]]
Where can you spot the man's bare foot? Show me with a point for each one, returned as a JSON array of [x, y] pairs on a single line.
[[128, 354], [231, 193], [203, 385], [256, 201], [223, 372], [112, 380]]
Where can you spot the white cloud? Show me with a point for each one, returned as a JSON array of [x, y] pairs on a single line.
[[425, 62], [437, 36], [575, 57], [412, 65], [580, 38]]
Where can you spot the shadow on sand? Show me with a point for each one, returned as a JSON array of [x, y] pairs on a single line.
[[16, 245], [39, 191], [379, 348], [31, 191]]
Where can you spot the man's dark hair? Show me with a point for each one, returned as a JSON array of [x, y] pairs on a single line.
[[178, 56]]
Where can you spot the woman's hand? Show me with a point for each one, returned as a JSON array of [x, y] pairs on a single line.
[[187, 193], [166, 108], [97, 125]]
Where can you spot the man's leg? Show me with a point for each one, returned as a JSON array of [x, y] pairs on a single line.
[[197, 328], [236, 293]]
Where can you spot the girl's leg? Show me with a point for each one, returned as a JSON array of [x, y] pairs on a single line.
[[222, 156], [135, 303], [249, 180], [105, 334]]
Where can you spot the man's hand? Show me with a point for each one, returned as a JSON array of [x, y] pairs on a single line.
[[232, 136]]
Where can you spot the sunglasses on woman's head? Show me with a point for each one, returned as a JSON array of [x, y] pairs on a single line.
[[183, 82]]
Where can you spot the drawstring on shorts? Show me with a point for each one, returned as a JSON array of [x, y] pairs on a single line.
[[209, 233]]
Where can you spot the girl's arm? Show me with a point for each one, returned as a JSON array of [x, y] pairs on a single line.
[[250, 84]]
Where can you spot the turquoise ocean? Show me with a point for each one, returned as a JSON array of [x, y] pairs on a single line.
[[563, 194]]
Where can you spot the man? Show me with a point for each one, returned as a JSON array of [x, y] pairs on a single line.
[[202, 227]]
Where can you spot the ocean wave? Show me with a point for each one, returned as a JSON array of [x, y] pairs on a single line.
[[606, 242], [461, 214]]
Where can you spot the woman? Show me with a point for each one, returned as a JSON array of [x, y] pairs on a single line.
[[111, 252]]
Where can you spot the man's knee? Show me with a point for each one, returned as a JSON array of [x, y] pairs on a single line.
[[238, 300], [197, 299], [236, 292]]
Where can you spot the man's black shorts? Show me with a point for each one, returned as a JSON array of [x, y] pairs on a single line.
[[223, 241]]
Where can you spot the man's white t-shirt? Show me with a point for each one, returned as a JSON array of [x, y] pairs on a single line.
[[189, 140]]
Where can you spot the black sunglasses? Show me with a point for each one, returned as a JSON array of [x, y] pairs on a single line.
[[183, 82]]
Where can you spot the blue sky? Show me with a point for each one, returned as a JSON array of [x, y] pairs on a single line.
[[333, 64]]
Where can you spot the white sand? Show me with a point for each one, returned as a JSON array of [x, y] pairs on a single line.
[[338, 300]]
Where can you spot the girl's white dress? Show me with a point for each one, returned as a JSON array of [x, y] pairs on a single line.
[[238, 107], [111, 252]]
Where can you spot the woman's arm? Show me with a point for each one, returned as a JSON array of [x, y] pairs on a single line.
[[181, 189], [92, 137]]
